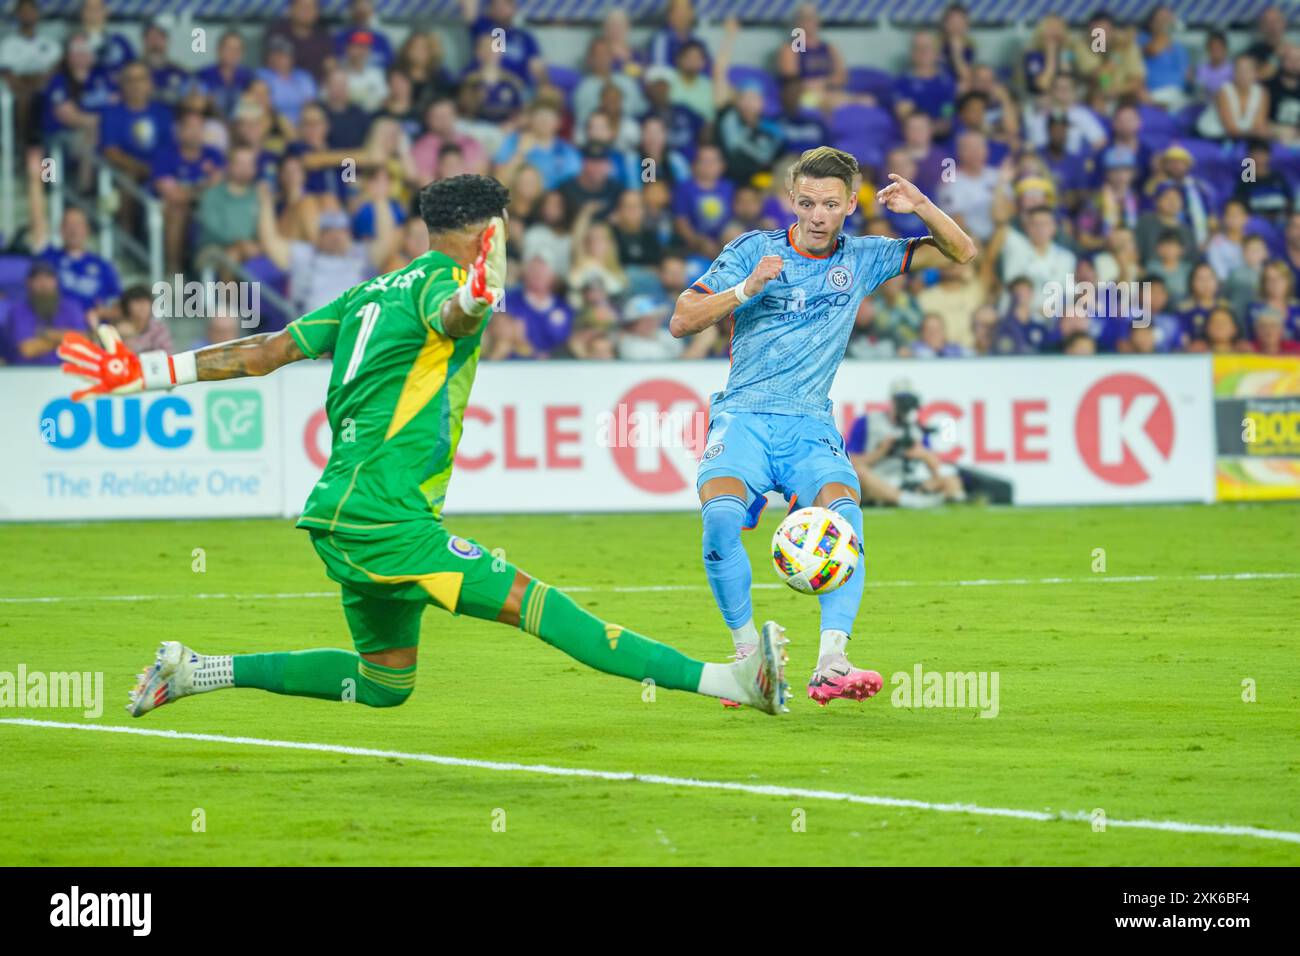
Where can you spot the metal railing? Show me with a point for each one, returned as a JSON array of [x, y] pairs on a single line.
[[8, 147]]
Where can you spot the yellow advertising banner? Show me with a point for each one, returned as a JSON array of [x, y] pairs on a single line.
[[1257, 418]]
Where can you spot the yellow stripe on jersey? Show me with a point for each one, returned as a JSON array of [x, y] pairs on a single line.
[[427, 375], [443, 586]]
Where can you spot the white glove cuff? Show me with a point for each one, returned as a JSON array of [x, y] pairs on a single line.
[[163, 371]]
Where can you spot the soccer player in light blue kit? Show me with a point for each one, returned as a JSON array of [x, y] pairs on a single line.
[[795, 294]]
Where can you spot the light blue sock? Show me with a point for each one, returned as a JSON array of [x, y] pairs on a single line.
[[725, 563], [840, 606]]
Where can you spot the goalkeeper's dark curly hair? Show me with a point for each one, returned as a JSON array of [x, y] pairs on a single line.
[[450, 204]]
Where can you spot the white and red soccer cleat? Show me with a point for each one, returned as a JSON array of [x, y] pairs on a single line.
[[742, 651], [763, 671], [168, 678], [835, 678]]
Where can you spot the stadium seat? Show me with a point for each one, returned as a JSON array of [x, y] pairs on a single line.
[[868, 79], [1256, 226], [869, 127], [566, 80], [13, 274], [1159, 128]]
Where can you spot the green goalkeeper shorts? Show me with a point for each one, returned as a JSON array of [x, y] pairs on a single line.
[[389, 578]]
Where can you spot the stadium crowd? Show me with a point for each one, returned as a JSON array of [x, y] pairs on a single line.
[[1107, 157]]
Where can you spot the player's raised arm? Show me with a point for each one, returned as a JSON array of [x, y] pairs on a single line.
[[947, 241], [697, 310], [113, 369]]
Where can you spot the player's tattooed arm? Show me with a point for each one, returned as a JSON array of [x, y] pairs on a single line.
[[250, 356], [947, 241], [696, 311]]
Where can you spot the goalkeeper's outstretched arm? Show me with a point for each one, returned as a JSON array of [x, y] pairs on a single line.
[[113, 369]]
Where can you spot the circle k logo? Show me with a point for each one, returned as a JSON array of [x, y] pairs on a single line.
[[1124, 429], [656, 433]]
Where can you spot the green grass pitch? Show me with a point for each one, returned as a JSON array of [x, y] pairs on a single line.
[[1122, 696]]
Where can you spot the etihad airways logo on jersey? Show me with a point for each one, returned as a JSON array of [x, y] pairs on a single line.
[[796, 304]]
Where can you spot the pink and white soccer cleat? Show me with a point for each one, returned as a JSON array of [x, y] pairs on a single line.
[[742, 651], [836, 678]]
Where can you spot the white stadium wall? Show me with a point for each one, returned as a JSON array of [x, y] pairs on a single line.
[[574, 437]]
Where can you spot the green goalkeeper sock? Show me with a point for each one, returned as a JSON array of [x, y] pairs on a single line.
[[326, 673], [552, 616]]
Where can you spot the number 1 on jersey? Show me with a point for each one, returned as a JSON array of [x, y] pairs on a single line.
[[369, 314]]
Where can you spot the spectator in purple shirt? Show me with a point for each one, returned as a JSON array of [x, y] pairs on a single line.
[[924, 86], [702, 204], [178, 177], [519, 50], [170, 82], [39, 319], [224, 82], [132, 132], [546, 320]]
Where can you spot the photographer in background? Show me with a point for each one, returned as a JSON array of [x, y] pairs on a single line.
[[891, 454]]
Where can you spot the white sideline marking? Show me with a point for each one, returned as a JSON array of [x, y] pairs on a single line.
[[647, 588], [767, 790]]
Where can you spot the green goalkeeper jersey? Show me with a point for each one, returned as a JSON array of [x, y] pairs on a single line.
[[396, 399]]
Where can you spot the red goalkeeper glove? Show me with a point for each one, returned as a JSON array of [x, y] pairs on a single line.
[[115, 370], [484, 284]]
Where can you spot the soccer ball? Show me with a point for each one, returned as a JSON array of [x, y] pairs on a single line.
[[815, 550]]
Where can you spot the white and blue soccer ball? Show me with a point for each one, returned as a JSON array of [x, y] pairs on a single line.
[[815, 550]]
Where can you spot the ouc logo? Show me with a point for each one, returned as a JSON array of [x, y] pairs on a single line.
[[68, 425]]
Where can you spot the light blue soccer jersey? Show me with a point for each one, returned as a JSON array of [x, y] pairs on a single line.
[[789, 339]]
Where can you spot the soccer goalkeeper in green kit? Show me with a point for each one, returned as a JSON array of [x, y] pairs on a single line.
[[405, 348]]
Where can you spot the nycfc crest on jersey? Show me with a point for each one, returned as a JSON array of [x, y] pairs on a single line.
[[790, 338]]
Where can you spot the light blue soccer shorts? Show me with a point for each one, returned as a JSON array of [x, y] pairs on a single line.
[[795, 455]]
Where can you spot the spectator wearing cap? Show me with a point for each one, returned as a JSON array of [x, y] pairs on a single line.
[[1175, 165], [178, 176], [1215, 69], [361, 18], [28, 57], [170, 82], [925, 86], [349, 120], [1085, 134], [321, 270], [678, 31], [750, 142], [112, 50], [366, 83], [974, 186], [1268, 194], [39, 319], [141, 330], [310, 46], [594, 183], [1240, 109], [1115, 204], [702, 204], [539, 145], [643, 334], [132, 132], [1284, 96], [1166, 215], [225, 81], [1276, 293], [520, 52], [1270, 335], [1168, 62], [544, 321], [600, 71], [442, 127], [291, 87]]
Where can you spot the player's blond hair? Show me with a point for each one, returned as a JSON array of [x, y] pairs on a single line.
[[826, 162]]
